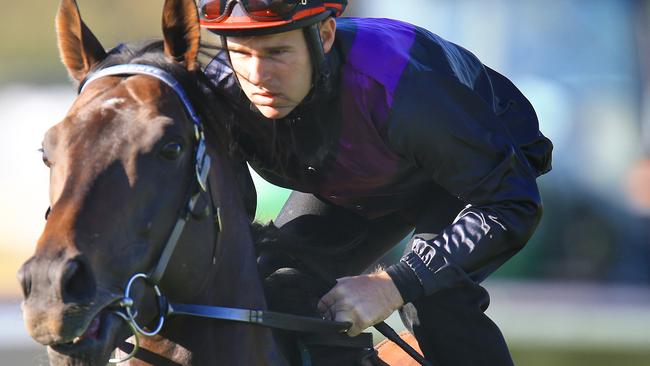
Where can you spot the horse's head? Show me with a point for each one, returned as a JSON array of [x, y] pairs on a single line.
[[122, 169]]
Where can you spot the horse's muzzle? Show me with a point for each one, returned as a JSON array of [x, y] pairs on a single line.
[[59, 297]]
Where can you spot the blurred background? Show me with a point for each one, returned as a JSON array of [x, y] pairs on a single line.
[[577, 294]]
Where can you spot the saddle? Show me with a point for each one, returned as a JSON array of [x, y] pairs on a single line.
[[293, 283]]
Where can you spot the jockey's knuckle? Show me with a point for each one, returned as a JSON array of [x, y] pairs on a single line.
[[359, 313], [340, 291], [347, 303], [365, 320]]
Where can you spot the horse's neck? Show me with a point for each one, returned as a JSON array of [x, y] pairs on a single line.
[[234, 283], [236, 280]]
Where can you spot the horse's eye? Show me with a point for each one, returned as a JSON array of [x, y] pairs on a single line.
[[171, 150], [44, 157]]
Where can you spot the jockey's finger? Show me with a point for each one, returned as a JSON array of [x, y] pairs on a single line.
[[325, 303], [348, 316], [328, 314], [354, 330]]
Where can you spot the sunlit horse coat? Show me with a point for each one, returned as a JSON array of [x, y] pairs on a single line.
[[409, 114]]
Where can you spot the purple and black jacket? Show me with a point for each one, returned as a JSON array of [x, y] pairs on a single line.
[[409, 112]]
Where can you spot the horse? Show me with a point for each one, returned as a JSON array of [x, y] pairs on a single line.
[[122, 166], [138, 197]]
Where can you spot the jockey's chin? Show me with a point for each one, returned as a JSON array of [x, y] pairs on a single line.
[[275, 112]]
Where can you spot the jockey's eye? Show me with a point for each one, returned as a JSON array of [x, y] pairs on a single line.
[[44, 157], [171, 150]]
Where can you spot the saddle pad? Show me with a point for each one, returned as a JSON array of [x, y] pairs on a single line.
[[391, 354]]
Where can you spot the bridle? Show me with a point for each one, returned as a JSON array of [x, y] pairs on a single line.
[[166, 309]]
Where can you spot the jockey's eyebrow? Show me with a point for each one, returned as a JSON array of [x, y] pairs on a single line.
[[270, 49], [278, 48]]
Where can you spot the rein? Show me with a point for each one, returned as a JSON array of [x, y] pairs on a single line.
[[202, 166]]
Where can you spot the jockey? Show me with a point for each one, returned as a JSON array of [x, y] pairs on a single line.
[[383, 129]]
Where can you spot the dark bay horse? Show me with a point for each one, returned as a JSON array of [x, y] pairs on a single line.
[[122, 166]]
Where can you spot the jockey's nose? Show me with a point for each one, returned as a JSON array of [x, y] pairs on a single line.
[[257, 70]]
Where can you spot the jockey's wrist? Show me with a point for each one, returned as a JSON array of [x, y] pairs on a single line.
[[406, 281], [392, 294]]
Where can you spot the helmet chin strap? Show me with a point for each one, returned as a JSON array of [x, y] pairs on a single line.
[[321, 71]]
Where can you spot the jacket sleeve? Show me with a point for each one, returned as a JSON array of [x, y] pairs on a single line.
[[457, 138]]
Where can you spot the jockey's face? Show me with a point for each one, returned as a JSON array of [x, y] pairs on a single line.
[[275, 70]]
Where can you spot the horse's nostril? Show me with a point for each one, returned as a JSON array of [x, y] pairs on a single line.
[[77, 283], [25, 279]]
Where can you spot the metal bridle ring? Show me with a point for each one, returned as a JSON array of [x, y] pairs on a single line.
[[127, 303]]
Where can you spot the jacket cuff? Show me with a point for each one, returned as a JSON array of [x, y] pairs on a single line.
[[424, 275], [406, 281], [429, 280]]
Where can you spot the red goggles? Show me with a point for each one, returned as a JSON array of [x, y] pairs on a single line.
[[262, 10]]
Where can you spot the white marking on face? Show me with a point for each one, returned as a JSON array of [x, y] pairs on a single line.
[[114, 102]]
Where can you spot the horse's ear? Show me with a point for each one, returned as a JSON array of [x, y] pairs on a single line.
[[78, 47], [181, 31]]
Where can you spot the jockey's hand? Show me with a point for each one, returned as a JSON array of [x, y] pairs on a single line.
[[361, 300]]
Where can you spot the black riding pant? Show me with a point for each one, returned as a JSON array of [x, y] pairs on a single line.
[[449, 325]]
